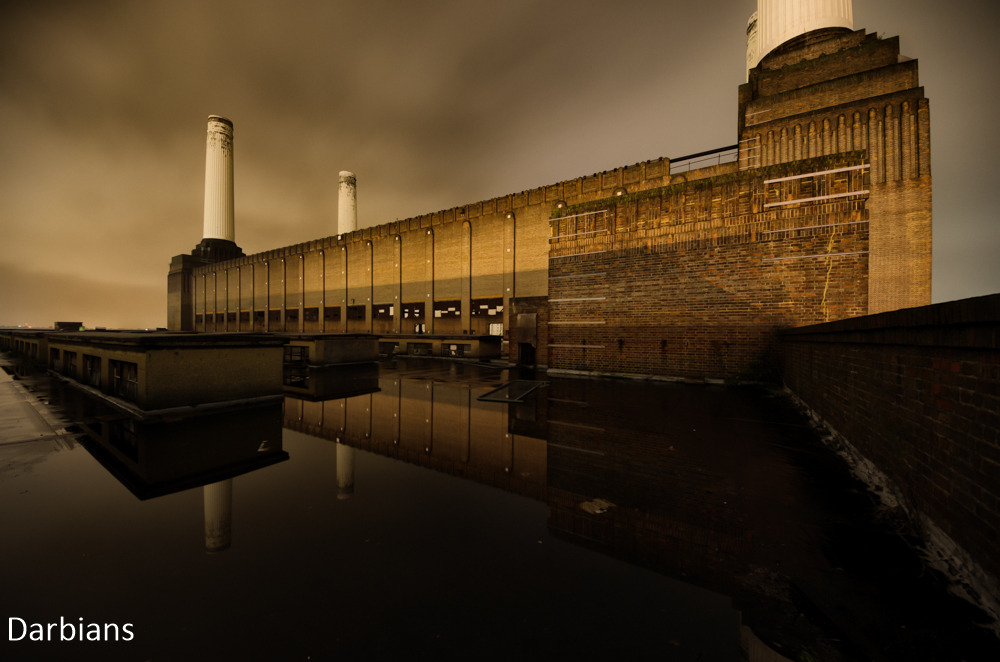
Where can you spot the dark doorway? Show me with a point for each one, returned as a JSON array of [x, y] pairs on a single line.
[[525, 354]]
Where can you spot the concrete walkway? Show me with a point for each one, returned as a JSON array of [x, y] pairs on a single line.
[[22, 417]]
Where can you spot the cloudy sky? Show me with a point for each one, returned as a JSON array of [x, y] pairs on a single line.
[[103, 108]]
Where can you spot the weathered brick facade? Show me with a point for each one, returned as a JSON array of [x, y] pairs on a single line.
[[917, 392], [824, 214], [691, 280], [833, 91]]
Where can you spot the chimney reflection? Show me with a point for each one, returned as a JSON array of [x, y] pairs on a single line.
[[160, 456], [431, 419], [345, 471], [218, 515]]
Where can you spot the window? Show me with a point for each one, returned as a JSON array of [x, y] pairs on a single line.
[[296, 354], [447, 309], [92, 370], [69, 363], [124, 379], [487, 307], [413, 311]]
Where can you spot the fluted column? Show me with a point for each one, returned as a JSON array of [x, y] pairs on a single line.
[[781, 20], [219, 223]]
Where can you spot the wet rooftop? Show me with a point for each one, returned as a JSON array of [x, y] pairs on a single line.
[[426, 507]]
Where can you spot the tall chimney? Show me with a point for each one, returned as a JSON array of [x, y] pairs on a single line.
[[347, 203], [781, 20], [219, 222]]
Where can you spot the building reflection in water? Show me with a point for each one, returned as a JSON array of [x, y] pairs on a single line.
[[165, 456], [712, 498], [430, 418]]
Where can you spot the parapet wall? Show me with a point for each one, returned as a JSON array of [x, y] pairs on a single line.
[[917, 392]]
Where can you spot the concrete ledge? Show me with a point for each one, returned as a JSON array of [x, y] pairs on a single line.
[[971, 323], [634, 376]]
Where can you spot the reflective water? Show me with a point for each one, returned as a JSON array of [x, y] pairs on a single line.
[[390, 511]]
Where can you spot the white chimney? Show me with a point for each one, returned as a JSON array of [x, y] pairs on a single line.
[[347, 203], [781, 20], [219, 222]]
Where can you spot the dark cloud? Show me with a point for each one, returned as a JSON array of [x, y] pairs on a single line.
[[432, 104]]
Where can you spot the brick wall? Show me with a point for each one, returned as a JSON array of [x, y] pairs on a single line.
[[837, 91], [917, 392], [693, 279], [826, 215], [476, 253]]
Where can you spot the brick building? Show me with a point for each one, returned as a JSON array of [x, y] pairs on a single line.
[[821, 211]]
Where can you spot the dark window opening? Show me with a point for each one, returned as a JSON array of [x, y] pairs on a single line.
[[69, 363], [292, 315], [447, 309], [383, 311], [356, 312], [487, 307], [310, 314], [296, 354], [331, 313], [420, 348], [92, 370], [124, 379], [413, 311]]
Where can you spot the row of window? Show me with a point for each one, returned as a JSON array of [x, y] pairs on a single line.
[[123, 376], [26, 347], [410, 311]]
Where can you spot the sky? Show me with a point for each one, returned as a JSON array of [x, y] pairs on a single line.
[[433, 104]]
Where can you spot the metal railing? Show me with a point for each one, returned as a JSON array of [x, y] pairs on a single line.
[[717, 156]]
